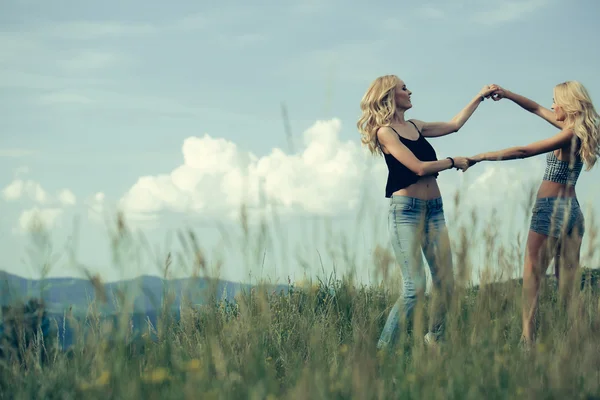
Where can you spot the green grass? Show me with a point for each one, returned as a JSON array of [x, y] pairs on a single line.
[[318, 342], [310, 344]]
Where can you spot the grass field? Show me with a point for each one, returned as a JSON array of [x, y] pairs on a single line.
[[318, 342]]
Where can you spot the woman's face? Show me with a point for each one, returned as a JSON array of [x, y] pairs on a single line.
[[403, 96], [558, 111]]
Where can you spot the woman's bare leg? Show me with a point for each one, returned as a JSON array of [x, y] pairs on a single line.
[[567, 260], [537, 258]]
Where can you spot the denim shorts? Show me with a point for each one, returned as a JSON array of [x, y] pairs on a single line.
[[557, 216]]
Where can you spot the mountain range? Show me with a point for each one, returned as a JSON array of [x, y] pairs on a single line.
[[146, 292]]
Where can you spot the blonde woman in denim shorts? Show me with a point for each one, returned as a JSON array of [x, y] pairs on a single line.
[[415, 216], [557, 223]]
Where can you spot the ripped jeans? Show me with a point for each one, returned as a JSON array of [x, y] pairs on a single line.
[[418, 227]]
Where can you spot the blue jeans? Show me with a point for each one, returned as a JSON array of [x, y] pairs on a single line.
[[418, 227]]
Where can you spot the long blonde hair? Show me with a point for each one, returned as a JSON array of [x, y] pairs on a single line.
[[581, 116], [378, 107]]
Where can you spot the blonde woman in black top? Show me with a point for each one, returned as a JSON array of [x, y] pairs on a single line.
[[416, 218]]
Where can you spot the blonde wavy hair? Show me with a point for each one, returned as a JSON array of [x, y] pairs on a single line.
[[378, 107], [581, 116]]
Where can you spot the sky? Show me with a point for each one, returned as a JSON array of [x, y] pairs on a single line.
[[177, 113]]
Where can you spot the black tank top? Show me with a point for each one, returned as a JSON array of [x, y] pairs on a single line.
[[399, 176]]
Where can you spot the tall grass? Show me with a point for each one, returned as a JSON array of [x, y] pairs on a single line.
[[317, 341]]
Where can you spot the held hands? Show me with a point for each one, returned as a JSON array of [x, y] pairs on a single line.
[[464, 163], [493, 91], [487, 91], [461, 163], [498, 92]]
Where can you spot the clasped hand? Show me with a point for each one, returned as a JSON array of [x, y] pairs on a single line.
[[495, 92]]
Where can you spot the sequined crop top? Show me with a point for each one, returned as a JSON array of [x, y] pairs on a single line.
[[561, 171]]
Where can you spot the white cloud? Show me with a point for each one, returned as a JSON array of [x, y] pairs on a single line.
[[107, 29], [216, 177], [340, 61], [504, 180], [96, 206], [20, 188], [63, 97], [192, 22], [246, 39], [16, 77], [16, 152], [89, 59], [67, 198], [431, 12], [506, 11], [85, 30], [326, 178], [35, 218]]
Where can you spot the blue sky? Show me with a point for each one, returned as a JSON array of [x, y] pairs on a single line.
[[163, 109]]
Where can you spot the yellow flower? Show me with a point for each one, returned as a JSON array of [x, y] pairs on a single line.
[[541, 347], [343, 348], [269, 359], [519, 390], [315, 288], [103, 379], [193, 365], [158, 375], [380, 356]]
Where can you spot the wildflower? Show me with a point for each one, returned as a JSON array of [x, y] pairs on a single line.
[[315, 288], [193, 365], [519, 390], [343, 348], [380, 355], [541, 347], [158, 375], [102, 380]]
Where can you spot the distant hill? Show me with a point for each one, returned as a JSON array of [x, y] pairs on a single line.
[[60, 294]]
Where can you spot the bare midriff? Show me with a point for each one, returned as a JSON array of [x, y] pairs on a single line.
[[554, 189], [426, 188]]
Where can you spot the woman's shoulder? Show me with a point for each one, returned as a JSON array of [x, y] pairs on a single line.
[[419, 124]]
